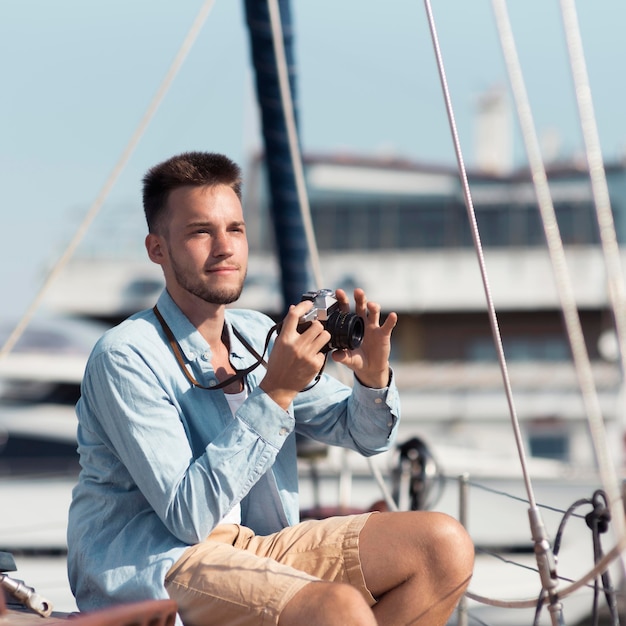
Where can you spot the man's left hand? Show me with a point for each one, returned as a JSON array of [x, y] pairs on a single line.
[[370, 361]]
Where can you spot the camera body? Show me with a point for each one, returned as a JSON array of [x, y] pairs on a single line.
[[346, 329]]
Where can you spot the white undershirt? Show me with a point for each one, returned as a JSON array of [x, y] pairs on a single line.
[[235, 400]]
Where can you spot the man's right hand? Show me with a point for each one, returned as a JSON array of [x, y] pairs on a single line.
[[295, 358]]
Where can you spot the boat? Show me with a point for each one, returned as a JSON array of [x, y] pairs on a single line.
[[374, 218], [34, 609]]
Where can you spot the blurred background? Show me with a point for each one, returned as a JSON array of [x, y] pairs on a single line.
[[78, 78]]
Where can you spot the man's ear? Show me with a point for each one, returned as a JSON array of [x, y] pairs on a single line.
[[154, 247]]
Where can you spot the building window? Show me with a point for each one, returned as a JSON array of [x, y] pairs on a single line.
[[549, 439], [546, 348]]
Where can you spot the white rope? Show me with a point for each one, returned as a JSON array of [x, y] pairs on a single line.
[[305, 211], [112, 179], [559, 264], [292, 136], [599, 186], [574, 332], [569, 308], [600, 567], [597, 175]]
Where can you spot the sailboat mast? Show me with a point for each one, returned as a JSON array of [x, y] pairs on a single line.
[[287, 219]]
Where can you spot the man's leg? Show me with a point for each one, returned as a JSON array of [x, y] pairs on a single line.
[[236, 577], [327, 604], [417, 565], [410, 567], [217, 582]]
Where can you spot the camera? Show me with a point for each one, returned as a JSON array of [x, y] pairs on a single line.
[[346, 329]]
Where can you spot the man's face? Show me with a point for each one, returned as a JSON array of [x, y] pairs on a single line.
[[205, 248]]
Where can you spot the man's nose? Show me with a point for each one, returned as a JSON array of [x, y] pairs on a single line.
[[222, 245]]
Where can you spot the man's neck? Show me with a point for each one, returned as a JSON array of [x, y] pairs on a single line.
[[206, 317], [211, 329]]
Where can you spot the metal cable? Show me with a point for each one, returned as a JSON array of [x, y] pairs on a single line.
[[479, 253], [111, 180], [505, 494], [532, 602]]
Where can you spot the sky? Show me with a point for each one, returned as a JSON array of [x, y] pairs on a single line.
[[77, 77]]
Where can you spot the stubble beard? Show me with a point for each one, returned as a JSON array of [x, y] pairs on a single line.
[[196, 287]]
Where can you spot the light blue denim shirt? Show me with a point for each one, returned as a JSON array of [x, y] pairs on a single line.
[[163, 461]]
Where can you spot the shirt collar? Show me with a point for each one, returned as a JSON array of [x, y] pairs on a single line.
[[191, 342]]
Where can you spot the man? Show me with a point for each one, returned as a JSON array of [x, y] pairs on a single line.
[[188, 486]]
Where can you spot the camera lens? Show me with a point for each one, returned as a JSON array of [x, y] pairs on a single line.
[[346, 330]]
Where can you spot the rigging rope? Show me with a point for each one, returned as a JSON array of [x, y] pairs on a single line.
[[545, 558], [599, 569], [544, 561], [573, 325], [292, 135], [479, 252], [305, 209], [112, 179], [490, 306], [597, 174], [568, 305]]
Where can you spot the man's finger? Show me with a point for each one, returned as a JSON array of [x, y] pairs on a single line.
[[295, 312]]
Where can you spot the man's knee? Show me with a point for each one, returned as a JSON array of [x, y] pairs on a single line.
[[452, 547], [327, 604], [413, 542]]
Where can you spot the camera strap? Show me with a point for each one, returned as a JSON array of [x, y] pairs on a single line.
[[239, 374]]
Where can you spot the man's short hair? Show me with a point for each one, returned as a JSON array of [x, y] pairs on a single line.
[[190, 168]]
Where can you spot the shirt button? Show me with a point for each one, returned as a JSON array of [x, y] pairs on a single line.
[[206, 356], [283, 431], [212, 383], [389, 424], [378, 401]]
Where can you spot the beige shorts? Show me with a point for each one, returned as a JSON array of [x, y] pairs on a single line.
[[235, 577]]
